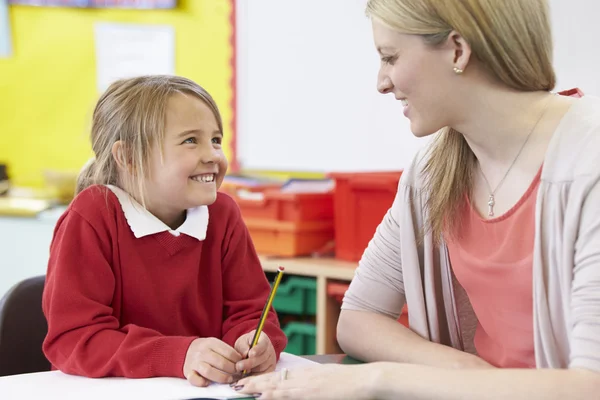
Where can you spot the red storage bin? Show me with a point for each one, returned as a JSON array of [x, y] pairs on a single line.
[[272, 204], [337, 290], [287, 224], [360, 203], [289, 238]]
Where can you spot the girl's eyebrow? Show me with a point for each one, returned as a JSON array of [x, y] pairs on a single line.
[[190, 131]]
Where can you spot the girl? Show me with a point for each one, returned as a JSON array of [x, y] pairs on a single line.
[[493, 240], [152, 272]]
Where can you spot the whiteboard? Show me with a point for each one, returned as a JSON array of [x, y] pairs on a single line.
[[306, 84], [576, 31]]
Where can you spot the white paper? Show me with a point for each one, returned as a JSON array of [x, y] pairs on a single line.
[[128, 50], [59, 386], [5, 42]]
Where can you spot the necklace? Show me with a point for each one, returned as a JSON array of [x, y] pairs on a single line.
[[492, 200]]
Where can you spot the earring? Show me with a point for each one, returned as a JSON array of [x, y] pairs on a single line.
[[458, 71]]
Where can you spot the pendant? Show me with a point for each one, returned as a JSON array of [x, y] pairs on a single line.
[[491, 203]]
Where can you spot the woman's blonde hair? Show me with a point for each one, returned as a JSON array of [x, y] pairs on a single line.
[[512, 40], [134, 112]]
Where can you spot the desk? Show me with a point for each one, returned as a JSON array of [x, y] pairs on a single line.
[[54, 385]]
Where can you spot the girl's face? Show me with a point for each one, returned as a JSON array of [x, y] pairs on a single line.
[[193, 165], [418, 74]]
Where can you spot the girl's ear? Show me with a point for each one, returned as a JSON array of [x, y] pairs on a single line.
[[118, 153]]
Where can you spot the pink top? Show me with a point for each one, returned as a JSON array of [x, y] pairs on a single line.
[[492, 260]]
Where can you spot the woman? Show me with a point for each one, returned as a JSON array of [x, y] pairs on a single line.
[[493, 240]]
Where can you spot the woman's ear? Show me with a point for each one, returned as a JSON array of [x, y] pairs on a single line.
[[460, 50]]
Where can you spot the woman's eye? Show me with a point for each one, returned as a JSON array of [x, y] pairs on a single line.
[[388, 60], [217, 140], [190, 140]]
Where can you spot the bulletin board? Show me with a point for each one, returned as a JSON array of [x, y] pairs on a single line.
[[48, 86]]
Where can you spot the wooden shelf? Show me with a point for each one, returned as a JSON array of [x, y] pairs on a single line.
[[328, 309], [326, 267]]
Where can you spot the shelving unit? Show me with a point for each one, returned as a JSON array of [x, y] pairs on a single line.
[[328, 309]]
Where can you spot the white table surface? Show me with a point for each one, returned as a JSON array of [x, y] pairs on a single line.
[[58, 386]]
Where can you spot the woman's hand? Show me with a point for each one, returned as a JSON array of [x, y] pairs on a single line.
[[261, 358], [328, 381], [210, 360]]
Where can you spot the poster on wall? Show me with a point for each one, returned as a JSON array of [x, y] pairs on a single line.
[[5, 37], [128, 50], [134, 4]]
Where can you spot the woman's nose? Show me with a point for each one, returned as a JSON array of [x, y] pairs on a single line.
[[384, 85]]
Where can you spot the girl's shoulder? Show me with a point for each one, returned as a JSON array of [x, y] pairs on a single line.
[[224, 205], [95, 203]]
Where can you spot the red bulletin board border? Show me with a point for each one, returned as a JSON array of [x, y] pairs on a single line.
[[233, 162]]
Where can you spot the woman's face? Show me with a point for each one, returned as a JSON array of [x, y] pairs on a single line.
[[420, 75]]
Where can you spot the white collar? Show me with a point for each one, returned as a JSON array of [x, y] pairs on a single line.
[[144, 223]]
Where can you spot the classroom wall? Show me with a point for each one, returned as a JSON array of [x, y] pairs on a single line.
[[48, 87]]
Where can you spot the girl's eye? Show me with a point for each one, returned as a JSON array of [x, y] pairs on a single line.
[[217, 140], [190, 140]]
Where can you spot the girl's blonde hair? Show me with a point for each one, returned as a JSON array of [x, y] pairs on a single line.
[[134, 112], [511, 38]]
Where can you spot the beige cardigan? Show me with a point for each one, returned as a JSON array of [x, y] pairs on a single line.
[[566, 263]]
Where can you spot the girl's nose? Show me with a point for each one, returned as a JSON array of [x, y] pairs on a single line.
[[210, 155]]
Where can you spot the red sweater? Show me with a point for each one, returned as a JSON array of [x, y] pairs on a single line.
[[121, 306]]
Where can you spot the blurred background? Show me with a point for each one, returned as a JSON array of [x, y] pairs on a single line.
[[315, 152], [49, 81]]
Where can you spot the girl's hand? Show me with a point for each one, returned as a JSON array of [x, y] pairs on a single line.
[[261, 358], [210, 360]]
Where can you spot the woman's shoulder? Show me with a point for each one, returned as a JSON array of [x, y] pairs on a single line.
[[574, 149], [413, 176]]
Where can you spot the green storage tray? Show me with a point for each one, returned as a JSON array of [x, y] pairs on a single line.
[[302, 338], [297, 295]]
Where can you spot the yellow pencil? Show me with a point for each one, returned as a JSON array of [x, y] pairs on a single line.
[[265, 312]]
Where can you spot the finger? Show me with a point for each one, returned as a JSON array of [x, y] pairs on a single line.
[[250, 364], [288, 394], [217, 361], [225, 350], [267, 366], [260, 383], [245, 365], [197, 380], [257, 356], [250, 337], [261, 362], [261, 347], [243, 348], [213, 374], [256, 387]]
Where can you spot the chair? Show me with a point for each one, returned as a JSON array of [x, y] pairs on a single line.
[[23, 328]]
